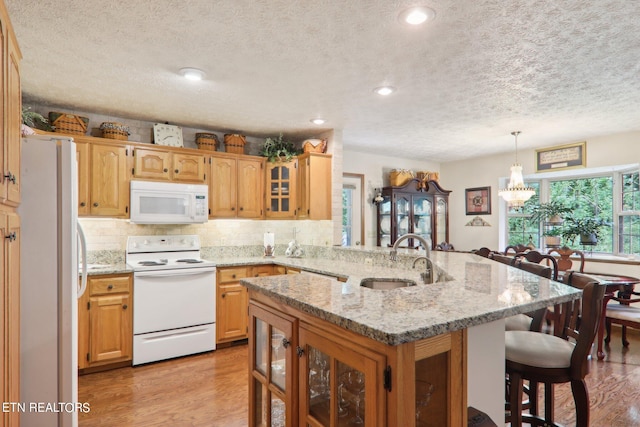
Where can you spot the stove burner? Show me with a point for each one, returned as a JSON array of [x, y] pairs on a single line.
[[190, 260], [152, 263]]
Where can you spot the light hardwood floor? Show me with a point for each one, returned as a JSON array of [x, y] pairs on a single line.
[[210, 390]]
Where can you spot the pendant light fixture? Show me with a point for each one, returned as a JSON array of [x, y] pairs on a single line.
[[516, 192]]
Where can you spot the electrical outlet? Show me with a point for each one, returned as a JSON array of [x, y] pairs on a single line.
[[223, 241], [368, 261]]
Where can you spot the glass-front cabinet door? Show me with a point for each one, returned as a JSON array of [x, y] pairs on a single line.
[[422, 208], [441, 220], [271, 384], [339, 386], [403, 216], [281, 189], [384, 222]]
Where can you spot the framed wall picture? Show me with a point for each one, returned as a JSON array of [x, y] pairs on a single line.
[[477, 201], [561, 157]]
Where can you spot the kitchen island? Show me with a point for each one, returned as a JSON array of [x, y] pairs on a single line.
[[324, 350]]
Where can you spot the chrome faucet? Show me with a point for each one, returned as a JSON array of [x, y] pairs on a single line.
[[427, 275]]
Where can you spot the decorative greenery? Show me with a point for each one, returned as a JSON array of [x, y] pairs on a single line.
[[35, 120], [583, 227], [278, 149], [546, 211]]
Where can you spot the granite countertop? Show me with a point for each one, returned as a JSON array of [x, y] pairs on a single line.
[[478, 291], [115, 268]]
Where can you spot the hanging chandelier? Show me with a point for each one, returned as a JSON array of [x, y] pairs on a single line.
[[516, 192]]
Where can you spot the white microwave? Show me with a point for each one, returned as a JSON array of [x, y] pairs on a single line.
[[168, 203]]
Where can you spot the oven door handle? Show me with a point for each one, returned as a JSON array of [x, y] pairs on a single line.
[[173, 273]]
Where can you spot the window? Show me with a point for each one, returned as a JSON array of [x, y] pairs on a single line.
[[629, 218], [347, 215], [612, 196], [521, 228]]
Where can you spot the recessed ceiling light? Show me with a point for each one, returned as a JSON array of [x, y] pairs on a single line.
[[192, 73], [384, 90], [417, 15], [318, 121]]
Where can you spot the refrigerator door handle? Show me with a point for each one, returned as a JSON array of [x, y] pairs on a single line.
[[83, 249]]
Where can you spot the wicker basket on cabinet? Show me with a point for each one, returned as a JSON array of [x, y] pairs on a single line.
[[234, 143], [68, 123], [207, 141]]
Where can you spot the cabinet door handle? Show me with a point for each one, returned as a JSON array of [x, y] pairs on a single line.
[[95, 204], [10, 177], [285, 342], [83, 204], [124, 306], [166, 170], [110, 286], [223, 295], [299, 351], [177, 171], [233, 208], [241, 208], [233, 276]]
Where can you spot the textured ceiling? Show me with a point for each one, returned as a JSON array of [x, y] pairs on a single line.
[[559, 71]]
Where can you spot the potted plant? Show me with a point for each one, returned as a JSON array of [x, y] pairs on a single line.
[[35, 120], [551, 212], [278, 148], [552, 237], [589, 229]]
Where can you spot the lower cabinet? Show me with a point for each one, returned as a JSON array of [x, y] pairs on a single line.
[[105, 322], [305, 371], [232, 301]]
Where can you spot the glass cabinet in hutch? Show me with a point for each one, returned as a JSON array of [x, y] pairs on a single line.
[[416, 207]]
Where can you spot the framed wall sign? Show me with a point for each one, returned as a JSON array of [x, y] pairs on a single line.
[[477, 201], [561, 157]]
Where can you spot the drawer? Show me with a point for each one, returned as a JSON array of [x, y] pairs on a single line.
[[232, 274], [109, 285], [262, 270]]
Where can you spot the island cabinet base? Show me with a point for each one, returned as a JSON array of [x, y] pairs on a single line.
[[305, 371]]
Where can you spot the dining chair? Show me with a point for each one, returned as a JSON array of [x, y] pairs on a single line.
[[483, 252], [621, 311], [516, 249], [504, 259], [444, 246], [564, 261], [528, 321], [537, 258], [554, 359]]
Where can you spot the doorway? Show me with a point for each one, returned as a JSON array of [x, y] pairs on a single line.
[[352, 209]]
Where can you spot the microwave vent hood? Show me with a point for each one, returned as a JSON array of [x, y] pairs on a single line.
[[169, 203]]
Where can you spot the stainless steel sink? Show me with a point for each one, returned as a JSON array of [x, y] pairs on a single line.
[[386, 284]]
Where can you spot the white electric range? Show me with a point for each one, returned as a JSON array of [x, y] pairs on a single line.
[[174, 297]]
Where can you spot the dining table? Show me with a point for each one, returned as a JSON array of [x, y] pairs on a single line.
[[614, 283]]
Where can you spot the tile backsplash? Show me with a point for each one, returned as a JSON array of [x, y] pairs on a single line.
[[111, 234]]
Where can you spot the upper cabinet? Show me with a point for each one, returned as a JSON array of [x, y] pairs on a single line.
[[165, 165], [414, 208], [236, 184], [314, 186], [103, 178], [281, 180], [12, 117]]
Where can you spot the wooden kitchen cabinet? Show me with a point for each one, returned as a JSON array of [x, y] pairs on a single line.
[[13, 117], [10, 319], [231, 304], [10, 197], [236, 184], [314, 186], [280, 187], [164, 165], [105, 322], [309, 372], [103, 178]]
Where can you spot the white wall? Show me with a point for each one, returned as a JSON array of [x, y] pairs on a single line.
[[376, 169], [609, 150]]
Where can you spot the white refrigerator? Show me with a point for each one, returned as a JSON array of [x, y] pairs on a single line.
[[49, 286]]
